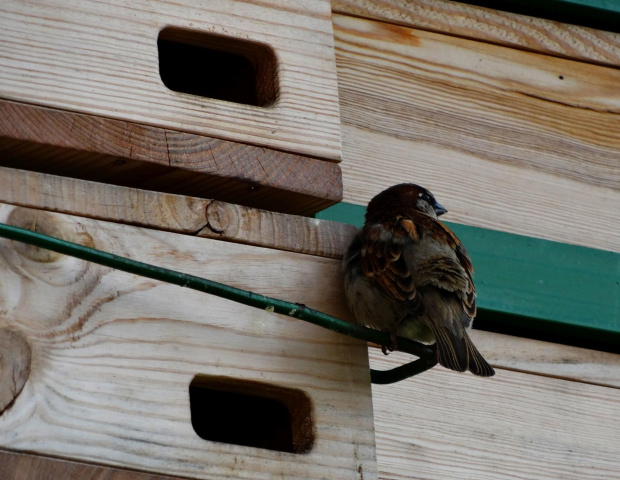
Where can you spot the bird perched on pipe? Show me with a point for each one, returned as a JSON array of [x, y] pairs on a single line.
[[408, 274]]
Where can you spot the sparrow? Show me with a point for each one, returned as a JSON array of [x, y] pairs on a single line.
[[407, 273]]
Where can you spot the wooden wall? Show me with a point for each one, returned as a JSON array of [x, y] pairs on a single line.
[[513, 122], [550, 412], [513, 140]]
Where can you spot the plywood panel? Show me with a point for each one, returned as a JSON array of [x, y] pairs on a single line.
[[494, 26], [113, 354], [102, 58], [444, 426], [507, 140]]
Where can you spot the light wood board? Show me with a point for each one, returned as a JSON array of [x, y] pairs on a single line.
[[549, 359], [443, 426], [432, 436], [175, 213], [113, 354], [102, 58], [494, 26], [505, 139], [286, 232], [22, 466], [123, 153]]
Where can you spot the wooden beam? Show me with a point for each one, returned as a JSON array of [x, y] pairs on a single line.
[[175, 213], [226, 221], [492, 25], [442, 426], [549, 359], [114, 151], [68, 58], [508, 140]]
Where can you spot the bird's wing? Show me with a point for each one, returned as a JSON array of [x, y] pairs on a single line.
[[384, 262], [447, 272]]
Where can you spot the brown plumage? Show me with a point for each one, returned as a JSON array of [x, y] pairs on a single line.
[[407, 273]]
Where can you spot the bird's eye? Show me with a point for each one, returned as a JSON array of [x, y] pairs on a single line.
[[426, 197]]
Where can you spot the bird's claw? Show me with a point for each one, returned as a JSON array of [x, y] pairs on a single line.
[[386, 349]]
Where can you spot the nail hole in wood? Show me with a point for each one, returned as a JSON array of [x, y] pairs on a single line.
[[214, 66], [252, 414]]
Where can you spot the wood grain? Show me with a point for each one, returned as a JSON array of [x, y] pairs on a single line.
[[445, 426], [175, 213], [15, 358], [286, 232], [542, 358], [493, 26], [114, 354], [227, 221], [507, 140], [22, 466], [531, 425], [102, 59], [549, 359], [123, 153]]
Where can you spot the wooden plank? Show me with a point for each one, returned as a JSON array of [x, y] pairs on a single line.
[[226, 221], [175, 213], [508, 140], [549, 359], [102, 59], [491, 25], [114, 356], [113, 151], [312, 236], [497, 347], [600, 14], [22, 466], [440, 425], [526, 282]]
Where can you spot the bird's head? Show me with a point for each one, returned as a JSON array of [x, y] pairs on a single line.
[[400, 199]]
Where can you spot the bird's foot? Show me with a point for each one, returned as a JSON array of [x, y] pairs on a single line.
[[386, 349]]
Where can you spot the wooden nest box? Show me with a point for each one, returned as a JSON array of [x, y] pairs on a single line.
[[230, 99]]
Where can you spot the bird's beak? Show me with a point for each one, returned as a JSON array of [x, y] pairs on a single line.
[[439, 209]]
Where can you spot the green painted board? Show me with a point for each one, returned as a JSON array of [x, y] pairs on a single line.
[[539, 284], [600, 14]]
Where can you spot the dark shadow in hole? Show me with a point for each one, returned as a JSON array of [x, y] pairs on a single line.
[[213, 66], [252, 414]]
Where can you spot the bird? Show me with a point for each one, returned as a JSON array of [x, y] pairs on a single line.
[[407, 273]]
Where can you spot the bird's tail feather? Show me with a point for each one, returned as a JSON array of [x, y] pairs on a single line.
[[457, 352]]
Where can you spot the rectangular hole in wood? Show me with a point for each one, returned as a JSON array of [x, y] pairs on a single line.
[[253, 414], [214, 66]]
